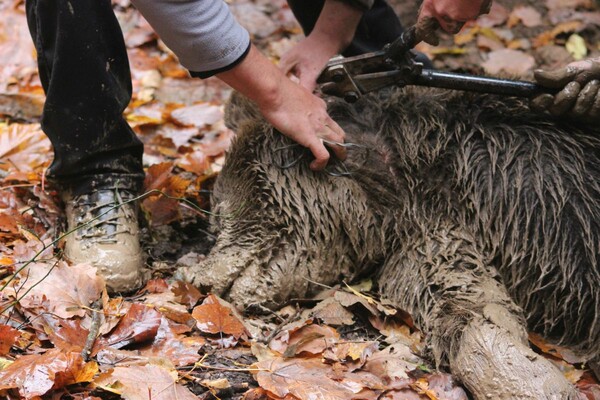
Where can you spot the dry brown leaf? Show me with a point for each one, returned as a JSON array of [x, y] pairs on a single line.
[[65, 334], [354, 351], [443, 387], [214, 318], [23, 147], [553, 350], [186, 294], [180, 136], [555, 4], [507, 61], [34, 375], [9, 221], [216, 143], [331, 312], [163, 209], [527, 15], [143, 383], [63, 290], [179, 349], [497, 16], [311, 339], [310, 379], [198, 115], [8, 337], [196, 162], [393, 363], [139, 325], [548, 37]]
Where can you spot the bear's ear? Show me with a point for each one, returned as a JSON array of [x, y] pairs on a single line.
[[240, 110]]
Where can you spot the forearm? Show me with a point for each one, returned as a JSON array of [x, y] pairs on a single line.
[[202, 33], [255, 77], [337, 24]]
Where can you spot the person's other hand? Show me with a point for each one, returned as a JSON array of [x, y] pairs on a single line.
[[307, 59], [332, 33], [579, 84], [450, 15]]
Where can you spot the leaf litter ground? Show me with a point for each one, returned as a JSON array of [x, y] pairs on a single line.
[[170, 340]]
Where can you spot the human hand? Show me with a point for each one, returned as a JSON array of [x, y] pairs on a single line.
[[332, 33], [290, 108], [579, 97], [450, 15], [306, 60], [302, 116]]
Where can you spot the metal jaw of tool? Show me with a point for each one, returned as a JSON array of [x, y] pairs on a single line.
[[395, 65]]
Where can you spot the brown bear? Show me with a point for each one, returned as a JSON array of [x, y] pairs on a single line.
[[478, 216]]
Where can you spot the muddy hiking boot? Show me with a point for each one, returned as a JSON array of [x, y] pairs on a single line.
[[109, 237]]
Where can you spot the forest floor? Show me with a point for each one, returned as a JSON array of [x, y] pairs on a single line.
[[169, 340]]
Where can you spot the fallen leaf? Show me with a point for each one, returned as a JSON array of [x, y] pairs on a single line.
[[548, 37], [309, 379], [510, 62], [331, 312], [8, 337], [186, 293], [311, 339], [444, 387], [576, 47], [34, 375], [23, 147], [213, 317], [66, 291], [198, 115], [196, 162], [143, 383], [527, 15], [163, 207], [179, 349], [497, 16], [393, 363], [354, 351], [554, 4], [65, 334], [139, 325], [553, 350]]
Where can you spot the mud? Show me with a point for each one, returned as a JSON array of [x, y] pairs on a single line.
[[479, 217]]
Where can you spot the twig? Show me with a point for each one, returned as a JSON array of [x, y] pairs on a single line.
[[94, 329]]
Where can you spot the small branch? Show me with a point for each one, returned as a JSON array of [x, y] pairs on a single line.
[[94, 329]]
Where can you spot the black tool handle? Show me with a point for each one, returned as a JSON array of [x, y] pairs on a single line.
[[473, 83]]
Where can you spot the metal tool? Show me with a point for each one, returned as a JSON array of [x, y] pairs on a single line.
[[395, 65]]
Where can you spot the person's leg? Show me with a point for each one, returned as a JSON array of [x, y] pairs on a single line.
[[97, 163], [379, 25], [84, 69]]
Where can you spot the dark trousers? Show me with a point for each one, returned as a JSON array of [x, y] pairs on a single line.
[[85, 73]]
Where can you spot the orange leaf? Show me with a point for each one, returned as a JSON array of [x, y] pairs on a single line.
[[60, 289], [186, 294], [8, 337], [553, 350], [214, 317], [144, 382], [140, 324], [312, 379], [8, 222], [34, 375], [548, 37]]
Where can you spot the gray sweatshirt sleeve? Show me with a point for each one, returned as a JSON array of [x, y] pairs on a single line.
[[202, 33]]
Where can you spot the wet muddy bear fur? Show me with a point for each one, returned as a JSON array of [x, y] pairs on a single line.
[[478, 216]]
